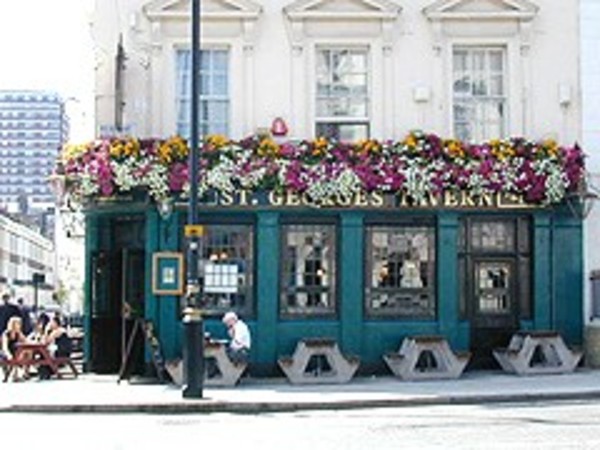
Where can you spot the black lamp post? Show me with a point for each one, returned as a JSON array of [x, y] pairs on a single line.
[[193, 339]]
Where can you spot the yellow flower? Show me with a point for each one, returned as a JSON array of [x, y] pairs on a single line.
[[320, 146], [551, 147], [116, 149], [216, 141], [410, 141], [132, 148], [454, 148], [268, 147], [72, 151], [368, 146], [501, 150]]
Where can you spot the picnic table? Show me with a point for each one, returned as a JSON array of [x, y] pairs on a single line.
[[318, 360], [35, 354], [537, 352], [426, 357], [227, 372]]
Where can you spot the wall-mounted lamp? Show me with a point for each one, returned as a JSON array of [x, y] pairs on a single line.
[[581, 201], [564, 95], [279, 128]]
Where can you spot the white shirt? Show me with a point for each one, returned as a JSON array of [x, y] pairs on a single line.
[[240, 338]]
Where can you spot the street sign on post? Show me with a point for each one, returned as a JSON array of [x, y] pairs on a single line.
[[37, 279]]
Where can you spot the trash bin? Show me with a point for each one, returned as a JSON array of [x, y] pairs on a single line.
[[592, 329]]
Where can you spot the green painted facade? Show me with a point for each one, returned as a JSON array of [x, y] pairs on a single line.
[[556, 281]]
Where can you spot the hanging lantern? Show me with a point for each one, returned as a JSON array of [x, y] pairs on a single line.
[[279, 127]]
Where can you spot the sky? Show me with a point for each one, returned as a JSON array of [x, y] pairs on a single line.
[[47, 44]]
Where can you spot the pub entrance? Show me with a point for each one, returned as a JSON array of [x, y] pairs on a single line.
[[118, 296], [495, 278]]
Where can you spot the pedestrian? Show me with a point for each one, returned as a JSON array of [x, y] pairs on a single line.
[[7, 310], [239, 345]]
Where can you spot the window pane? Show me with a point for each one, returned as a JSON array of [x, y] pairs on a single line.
[[226, 268], [308, 274], [214, 92], [341, 84], [400, 272], [493, 236], [343, 132], [479, 80]]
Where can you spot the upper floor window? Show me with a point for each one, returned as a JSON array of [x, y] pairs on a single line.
[[479, 93], [214, 92], [342, 94]]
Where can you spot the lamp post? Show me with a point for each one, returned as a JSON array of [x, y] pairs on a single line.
[[193, 339]]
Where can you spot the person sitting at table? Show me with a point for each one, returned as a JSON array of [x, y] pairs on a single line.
[[40, 329], [238, 331], [59, 343], [12, 336]]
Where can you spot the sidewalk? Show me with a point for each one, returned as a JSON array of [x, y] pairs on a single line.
[[102, 394]]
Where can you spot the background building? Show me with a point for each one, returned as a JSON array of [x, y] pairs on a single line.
[[27, 263], [33, 127]]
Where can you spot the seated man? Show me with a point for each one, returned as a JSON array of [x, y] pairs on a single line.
[[238, 331]]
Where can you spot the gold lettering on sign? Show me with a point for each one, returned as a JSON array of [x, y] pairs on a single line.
[[226, 199], [243, 198], [343, 200], [275, 199], [360, 199], [450, 199], [376, 199], [292, 199], [466, 199]]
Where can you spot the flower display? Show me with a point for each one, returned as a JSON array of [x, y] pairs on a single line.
[[419, 165]]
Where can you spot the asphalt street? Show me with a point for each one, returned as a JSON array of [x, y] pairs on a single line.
[[538, 425]]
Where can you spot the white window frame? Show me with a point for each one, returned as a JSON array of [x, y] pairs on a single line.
[[367, 47], [479, 133], [205, 97]]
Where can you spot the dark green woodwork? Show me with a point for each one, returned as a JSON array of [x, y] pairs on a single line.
[[557, 276]]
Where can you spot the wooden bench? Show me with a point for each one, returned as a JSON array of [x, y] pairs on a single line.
[[317, 361], [426, 357], [228, 373], [537, 352]]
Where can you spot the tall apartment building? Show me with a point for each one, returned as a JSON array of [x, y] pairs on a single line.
[[33, 126]]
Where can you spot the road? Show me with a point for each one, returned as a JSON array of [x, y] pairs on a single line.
[[557, 425]]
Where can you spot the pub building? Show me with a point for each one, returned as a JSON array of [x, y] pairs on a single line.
[[366, 265]]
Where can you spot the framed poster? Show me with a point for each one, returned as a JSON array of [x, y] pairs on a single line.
[[167, 273]]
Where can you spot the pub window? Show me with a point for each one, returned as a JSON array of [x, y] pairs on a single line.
[[400, 271], [308, 270], [227, 268], [495, 265]]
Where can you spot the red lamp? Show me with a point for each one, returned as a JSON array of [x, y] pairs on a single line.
[[279, 127]]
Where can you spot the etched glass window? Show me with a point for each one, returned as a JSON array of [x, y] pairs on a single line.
[[214, 92], [309, 272], [400, 271], [227, 268], [479, 93], [342, 94]]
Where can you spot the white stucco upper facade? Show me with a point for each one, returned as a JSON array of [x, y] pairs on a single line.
[[272, 47]]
